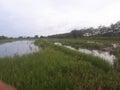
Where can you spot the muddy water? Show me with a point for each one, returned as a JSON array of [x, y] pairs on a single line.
[[17, 48]]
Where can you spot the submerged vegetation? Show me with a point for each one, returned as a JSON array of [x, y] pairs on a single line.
[[59, 68]]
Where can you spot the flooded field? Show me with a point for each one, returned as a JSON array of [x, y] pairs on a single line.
[[59, 65], [102, 54], [17, 48]]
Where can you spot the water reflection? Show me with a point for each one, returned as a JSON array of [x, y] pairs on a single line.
[[17, 48], [102, 54]]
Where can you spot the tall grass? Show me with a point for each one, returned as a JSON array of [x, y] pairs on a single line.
[[47, 70], [94, 60], [57, 68]]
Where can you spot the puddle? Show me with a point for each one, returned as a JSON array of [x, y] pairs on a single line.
[[69, 47], [115, 45], [18, 48], [57, 43]]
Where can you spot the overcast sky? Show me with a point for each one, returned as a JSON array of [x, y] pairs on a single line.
[[46, 17]]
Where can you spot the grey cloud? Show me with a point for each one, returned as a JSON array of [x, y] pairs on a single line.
[[44, 17]]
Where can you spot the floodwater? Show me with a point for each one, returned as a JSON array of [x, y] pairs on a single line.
[[70, 47], [102, 54], [17, 48], [57, 43]]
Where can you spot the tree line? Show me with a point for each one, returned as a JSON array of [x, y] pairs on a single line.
[[3, 37], [112, 30]]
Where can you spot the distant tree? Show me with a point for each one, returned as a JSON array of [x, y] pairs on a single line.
[[42, 37], [20, 37], [28, 37], [74, 33], [116, 28], [36, 36], [11, 38], [112, 27], [90, 31], [3, 37], [102, 29], [113, 30]]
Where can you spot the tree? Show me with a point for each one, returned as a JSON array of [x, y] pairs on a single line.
[[36, 36], [20, 37], [3, 37]]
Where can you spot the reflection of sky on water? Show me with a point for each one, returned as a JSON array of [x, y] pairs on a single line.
[[17, 48], [102, 54]]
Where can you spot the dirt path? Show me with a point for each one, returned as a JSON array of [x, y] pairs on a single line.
[[4, 86]]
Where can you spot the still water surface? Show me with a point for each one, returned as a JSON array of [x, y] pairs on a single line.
[[18, 48]]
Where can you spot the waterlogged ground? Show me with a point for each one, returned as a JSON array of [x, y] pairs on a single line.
[[57, 67], [102, 54], [17, 48]]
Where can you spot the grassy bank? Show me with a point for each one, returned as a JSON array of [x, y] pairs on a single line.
[[89, 43], [11, 40], [6, 40], [58, 68], [99, 43]]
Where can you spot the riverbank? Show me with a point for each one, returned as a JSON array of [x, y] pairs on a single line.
[[5, 40], [110, 45], [58, 68], [11, 40]]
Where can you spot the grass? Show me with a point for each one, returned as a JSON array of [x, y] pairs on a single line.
[[58, 68], [89, 43], [47, 70], [2, 41], [96, 61], [99, 43], [5, 40]]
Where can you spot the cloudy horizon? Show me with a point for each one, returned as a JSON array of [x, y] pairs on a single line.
[[47, 17]]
